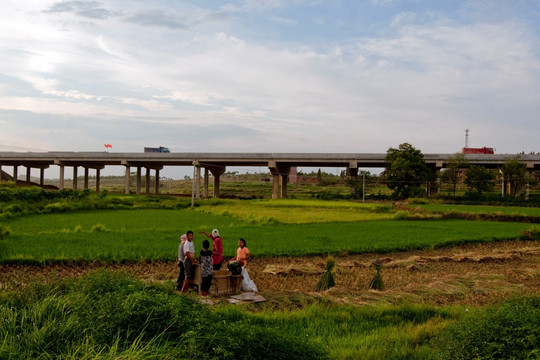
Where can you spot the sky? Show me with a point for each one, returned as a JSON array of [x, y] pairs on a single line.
[[269, 75]]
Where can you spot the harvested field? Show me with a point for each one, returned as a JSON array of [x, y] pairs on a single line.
[[467, 275]]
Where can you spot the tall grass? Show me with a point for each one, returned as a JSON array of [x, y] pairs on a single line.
[[510, 330], [154, 235], [107, 315], [348, 332]]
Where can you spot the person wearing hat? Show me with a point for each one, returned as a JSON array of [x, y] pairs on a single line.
[[217, 248]]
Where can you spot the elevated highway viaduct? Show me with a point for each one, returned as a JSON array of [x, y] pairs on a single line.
[[279, 164]]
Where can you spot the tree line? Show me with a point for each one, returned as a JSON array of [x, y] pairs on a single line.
[[408, 175]]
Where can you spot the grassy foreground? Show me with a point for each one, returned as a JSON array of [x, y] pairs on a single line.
[[134, 235], [108, 315]]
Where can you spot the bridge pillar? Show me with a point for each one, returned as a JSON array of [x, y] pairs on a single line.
[[147, 184], [157, 181], [15, 173], [216, 171], [352, 171], [75, 178], [284, 180], [61, 184], [275, 184], [98, 173], [198, 182], [28, 173], [138, 181], [205, 187], [127, 179], [86, 177], [42, 176], [438, 167]]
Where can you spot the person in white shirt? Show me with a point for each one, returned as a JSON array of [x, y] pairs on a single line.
[[189, 261]]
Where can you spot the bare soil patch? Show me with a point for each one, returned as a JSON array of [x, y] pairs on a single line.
[[467, 275]]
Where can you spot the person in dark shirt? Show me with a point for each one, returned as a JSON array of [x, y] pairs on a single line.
[[207, 270]]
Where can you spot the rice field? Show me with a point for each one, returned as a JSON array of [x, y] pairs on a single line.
[[479, 209], [299, 211], [149, 235]]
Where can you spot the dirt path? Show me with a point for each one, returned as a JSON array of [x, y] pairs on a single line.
[[468, 275]]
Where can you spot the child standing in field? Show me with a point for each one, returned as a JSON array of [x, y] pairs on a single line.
[[207, 270]]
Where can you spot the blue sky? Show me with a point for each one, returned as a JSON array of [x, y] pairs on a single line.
[[269, 75]]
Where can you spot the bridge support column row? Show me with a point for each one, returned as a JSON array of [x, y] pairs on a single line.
[[29, 173], [75, 176], [215, 170], [138, 179]]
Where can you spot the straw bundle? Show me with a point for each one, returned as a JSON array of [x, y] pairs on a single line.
[[327, 280]]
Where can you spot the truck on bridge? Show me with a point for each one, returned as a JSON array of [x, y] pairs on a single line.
[[160, 149], [482, 150]]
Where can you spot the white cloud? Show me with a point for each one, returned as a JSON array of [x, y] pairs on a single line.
[[402, 18], [416, 83]]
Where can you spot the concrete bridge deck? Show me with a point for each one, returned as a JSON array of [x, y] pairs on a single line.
[[279, 164]]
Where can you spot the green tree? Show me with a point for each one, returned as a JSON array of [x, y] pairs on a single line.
[[454, 166], [480, 179], [515, 173], [406, 171], [357, 183]]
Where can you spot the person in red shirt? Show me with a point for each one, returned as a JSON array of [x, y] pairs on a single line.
[[217, 248]]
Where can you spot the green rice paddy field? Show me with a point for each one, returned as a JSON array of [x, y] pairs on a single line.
[[479, 209], [270, 229]]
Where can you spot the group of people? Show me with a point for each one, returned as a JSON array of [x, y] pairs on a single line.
[[209, 260]]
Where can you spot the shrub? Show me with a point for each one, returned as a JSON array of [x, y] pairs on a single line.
[[506, 331], [58, 207], [13, 208], [99, 228], [418, 201], [531, 234], [6, 215], [4, 231], [401, 215]]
